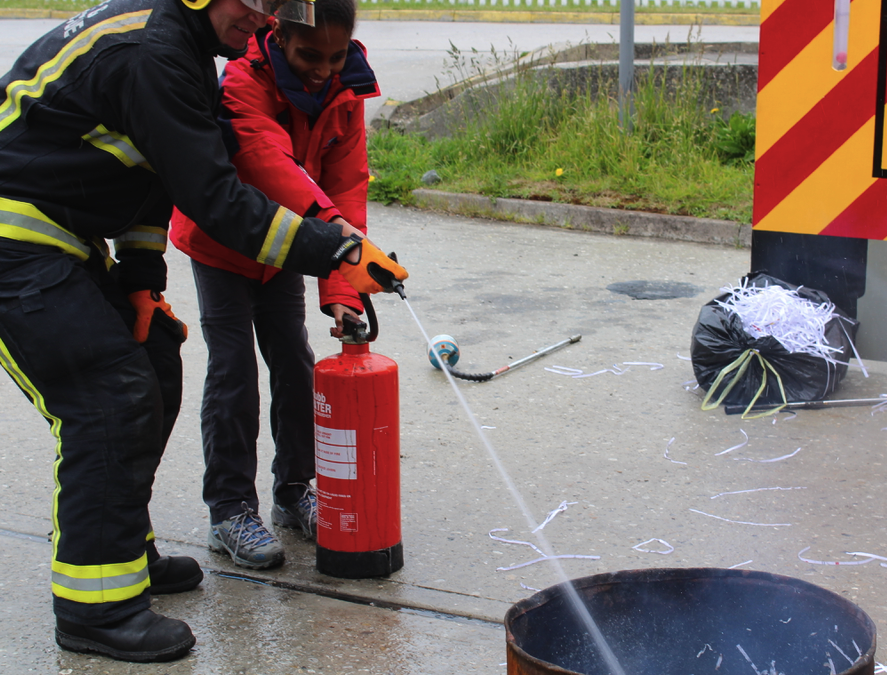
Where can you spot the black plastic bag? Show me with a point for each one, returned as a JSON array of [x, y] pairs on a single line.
[[721, 344]]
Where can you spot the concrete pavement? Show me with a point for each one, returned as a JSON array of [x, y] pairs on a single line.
[[503, 291]]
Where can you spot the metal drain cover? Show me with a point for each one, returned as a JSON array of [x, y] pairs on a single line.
[[655, 290]]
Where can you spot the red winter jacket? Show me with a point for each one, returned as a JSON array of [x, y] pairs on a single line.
[[309, 157]]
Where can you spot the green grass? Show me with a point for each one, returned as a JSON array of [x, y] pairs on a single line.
[[678, 158], [55, 5]]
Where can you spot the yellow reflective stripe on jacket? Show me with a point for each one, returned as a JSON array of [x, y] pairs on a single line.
[[118, 145], [53, 69], [142, 237], [280, 238], [100, 583], [25, 222], [102, 246]]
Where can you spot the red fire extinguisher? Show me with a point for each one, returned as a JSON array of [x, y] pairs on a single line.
[[357, 458]]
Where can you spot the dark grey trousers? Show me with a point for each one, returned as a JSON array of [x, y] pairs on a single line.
[[236, 313]]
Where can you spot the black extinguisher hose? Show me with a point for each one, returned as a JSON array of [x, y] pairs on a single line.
[[471, 377], [371, 317]]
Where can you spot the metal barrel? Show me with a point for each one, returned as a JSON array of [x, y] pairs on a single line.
[[691, 620]]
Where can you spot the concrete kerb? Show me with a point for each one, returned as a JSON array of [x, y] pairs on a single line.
[[589, 218]]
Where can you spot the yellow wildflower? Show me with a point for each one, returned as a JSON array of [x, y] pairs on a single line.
[[558, 172]]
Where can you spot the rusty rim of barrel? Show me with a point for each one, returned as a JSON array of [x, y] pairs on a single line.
[[517, 655]]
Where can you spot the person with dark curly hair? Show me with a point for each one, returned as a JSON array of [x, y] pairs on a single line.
[[293, 117]]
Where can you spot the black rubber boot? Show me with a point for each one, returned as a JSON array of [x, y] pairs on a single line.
[[174, 574], [144, 637]]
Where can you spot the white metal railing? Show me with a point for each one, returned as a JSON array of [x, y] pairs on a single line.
[[582, 4]]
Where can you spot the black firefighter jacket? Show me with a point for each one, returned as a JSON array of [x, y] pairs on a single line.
[[110, 119]]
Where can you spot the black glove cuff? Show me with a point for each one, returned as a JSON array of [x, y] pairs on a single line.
[[346, 244]]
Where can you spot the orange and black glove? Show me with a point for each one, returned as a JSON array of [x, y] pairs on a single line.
[[374, 272], [146, 303]]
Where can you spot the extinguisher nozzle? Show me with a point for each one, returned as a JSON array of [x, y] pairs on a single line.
[[398, 288]]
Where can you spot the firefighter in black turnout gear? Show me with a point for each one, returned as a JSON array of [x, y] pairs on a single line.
[[105, 123]]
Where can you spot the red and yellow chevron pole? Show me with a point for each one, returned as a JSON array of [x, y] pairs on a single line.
[[818, 153]]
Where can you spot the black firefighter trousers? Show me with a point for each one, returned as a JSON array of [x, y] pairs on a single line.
[[66, 340]]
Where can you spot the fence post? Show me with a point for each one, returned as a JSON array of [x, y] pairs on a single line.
[[626, 63]]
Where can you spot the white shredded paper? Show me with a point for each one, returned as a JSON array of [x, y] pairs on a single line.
[[653, 365], [563, 370], [665, 546], [739, 492], [742, 522], [616, 370], [836, 562], [668, 445], [868, 555], [791, 415], [535, 548], [798, 324], [735, 447], [766, 461], [841, 651], [551, 514]]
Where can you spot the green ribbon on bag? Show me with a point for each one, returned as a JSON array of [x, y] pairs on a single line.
[[740, 365]]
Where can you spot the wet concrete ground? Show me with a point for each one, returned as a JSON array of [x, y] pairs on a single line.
[[503, 291]]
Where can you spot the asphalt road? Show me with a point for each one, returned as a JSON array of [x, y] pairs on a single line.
[[414, 58]]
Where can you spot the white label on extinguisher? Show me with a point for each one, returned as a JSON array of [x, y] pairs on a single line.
[[335, 436], [335, 451], [336, 470]]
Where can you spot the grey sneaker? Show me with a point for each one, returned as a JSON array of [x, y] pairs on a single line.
[[246, 539], [301, 514]]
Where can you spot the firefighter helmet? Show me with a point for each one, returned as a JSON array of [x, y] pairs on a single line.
[[300, 11]]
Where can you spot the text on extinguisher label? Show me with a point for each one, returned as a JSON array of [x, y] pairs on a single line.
[[321, 407], [335, 452]]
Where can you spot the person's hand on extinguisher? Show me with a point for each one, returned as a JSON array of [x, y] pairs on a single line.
[[364, 266], [339, 312], [146, 304]]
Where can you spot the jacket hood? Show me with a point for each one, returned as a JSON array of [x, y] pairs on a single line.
[[356, 75]]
